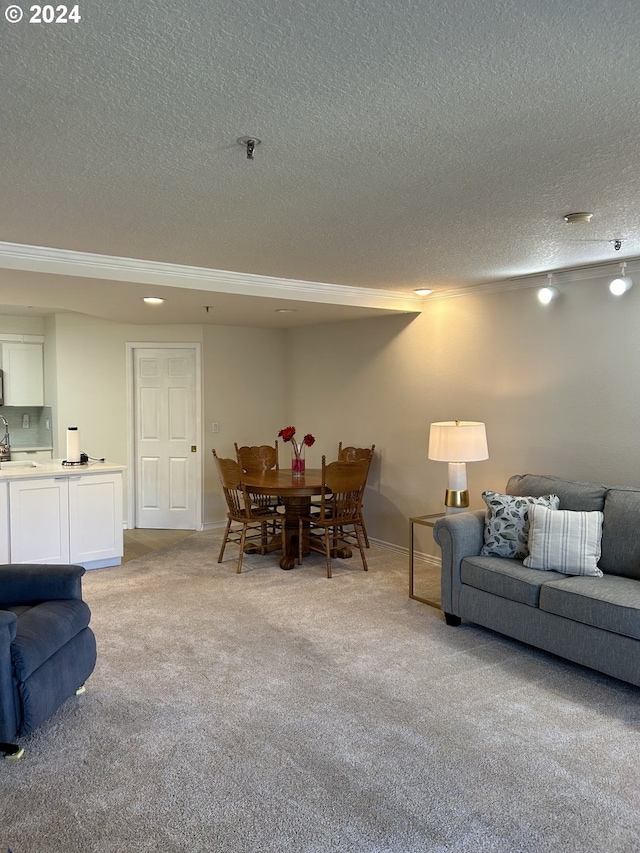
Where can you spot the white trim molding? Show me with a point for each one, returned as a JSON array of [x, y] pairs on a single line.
[[18, 256]]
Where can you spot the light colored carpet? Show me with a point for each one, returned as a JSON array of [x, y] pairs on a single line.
[[282, 711]]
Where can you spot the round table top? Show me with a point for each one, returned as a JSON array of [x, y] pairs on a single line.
[[282, 482]]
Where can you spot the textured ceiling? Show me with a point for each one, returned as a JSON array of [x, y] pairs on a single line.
[[404, 144]]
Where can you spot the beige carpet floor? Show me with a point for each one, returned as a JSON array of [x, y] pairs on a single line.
[[282, 711]]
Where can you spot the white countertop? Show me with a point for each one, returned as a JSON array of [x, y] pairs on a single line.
[[24, 470]]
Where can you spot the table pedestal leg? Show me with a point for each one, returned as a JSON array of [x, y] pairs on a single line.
[[294, 508]]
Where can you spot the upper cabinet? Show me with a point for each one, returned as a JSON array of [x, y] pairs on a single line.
[[23, 373]]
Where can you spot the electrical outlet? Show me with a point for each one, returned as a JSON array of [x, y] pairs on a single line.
[[25, 421], [215, 427]]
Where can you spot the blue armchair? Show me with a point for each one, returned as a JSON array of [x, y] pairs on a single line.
[[47, 650]]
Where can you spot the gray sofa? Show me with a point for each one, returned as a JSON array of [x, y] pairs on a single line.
[[593, 621]]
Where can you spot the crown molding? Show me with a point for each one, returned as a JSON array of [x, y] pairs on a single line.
[[19, 256]]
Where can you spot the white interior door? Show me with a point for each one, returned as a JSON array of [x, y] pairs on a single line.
[[165, 427]]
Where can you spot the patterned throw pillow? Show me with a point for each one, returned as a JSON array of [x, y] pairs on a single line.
[[506, 523], [565, 541]]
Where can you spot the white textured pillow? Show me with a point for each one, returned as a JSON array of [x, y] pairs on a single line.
[[564, 541]]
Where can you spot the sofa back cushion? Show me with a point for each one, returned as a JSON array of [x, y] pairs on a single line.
[[620, 539], [621, 506], [579, 497]]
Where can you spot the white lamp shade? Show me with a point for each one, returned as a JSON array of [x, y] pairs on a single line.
[[458, 441]]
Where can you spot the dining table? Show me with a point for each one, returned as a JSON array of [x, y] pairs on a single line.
[[295, 492]]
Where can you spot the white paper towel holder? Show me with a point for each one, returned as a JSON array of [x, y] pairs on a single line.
[[83, 458]]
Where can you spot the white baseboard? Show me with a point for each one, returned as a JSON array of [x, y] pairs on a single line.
[[214, 525], [380, 543], [401, 549]]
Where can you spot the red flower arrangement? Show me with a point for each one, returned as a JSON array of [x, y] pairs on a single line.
[[287, 434], [297, 462]]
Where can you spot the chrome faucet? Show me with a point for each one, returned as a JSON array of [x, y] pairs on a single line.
[[5, 442]]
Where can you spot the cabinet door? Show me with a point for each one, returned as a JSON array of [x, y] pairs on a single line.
[[95, 517], [39, 520], [23, 369]]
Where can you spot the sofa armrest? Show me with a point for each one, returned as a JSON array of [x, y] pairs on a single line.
[[30, 584], [8, 711], [459, 535]]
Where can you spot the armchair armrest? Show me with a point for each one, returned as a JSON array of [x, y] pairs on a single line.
[[459, 535], [8, 712], [29, 583]]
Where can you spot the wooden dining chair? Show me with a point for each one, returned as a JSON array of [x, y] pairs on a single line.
[[255, 458], [353, 454], [340, 511], [242, 510]]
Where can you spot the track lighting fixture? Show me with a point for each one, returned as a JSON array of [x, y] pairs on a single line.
[[549, 293], [622, 283]]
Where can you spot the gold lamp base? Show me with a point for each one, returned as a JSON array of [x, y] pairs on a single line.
[[456, 498]]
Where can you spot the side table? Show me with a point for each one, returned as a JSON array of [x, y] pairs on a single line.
[[426, 521]]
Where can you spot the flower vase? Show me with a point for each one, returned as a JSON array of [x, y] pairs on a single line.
[[297, 460]]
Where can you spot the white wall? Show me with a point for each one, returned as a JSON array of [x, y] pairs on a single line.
[[20, 325], [244, 392], [242, 385], [556, 387]]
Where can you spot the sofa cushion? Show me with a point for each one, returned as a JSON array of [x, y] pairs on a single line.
[[564, 541], [43, 630], [610, 603], [581, 497], [506, 578], [620, 539], [506, 523]]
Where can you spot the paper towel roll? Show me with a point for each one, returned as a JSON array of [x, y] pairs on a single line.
[[73, 444]]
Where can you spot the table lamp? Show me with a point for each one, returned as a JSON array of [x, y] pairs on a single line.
[[457, 442]]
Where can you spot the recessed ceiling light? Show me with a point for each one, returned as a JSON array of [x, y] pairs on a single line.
[[286, 310], [574, 218], [423, 291], [153, 300]]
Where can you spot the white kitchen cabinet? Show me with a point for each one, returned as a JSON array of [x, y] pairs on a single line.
[[23, 374], [69, 518], [4, 523], [95, 518], [39, 520]]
